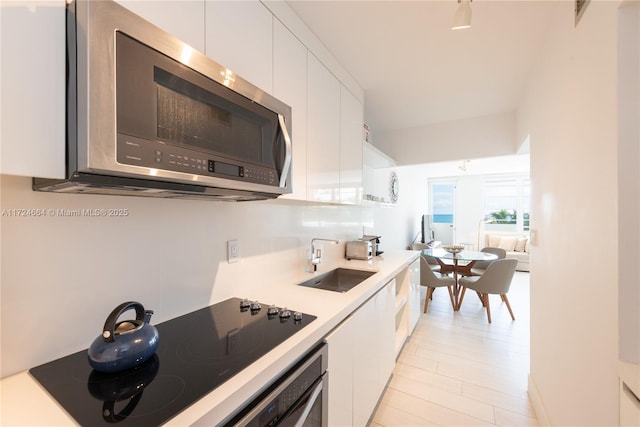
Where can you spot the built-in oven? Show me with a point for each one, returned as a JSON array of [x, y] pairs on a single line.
[[298, 398]]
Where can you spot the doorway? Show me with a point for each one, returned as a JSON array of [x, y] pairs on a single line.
[[442, 203]]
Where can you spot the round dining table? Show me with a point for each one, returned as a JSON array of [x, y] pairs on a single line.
[[462, 263]]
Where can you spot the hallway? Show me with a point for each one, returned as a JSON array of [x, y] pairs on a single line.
[[458, 370]]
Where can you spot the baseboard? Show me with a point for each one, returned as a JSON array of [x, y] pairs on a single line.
[[536, 402]]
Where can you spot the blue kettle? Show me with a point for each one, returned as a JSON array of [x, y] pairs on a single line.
[[126, 344]]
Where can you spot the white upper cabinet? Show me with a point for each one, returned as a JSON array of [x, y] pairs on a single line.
[[33, 76], [290, 86], [323, 133], [239, 37], [32, 87], [181, 18], [351, 129]]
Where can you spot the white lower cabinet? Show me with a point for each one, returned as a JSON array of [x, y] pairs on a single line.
[[340, 368], [414, 295], [407, 303], [361, 359]]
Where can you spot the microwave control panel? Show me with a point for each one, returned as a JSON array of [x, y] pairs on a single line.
[[156, 155]]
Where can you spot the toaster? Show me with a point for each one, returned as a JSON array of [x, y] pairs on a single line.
[[359, 249]]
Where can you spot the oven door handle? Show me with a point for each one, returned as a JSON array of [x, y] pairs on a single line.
[[307, 408]]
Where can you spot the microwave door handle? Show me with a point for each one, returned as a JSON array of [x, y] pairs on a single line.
[[287, 156], [307, 408]]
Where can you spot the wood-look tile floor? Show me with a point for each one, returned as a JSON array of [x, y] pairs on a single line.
[[459, 370]]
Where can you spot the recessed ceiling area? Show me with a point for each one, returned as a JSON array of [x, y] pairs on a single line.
[[416, 71]]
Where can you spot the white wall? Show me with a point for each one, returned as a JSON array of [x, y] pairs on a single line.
[[629, 182], [477, 137], [62, 275], [569, 111], [399, 225]]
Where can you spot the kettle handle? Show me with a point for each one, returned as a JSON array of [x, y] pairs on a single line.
[[108, 330]]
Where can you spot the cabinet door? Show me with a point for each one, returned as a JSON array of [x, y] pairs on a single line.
[[32, 135], [414, 295], [340, 365], [361, 359], [385, 308], [351, 129], [290, 86], [366, 362], [239, 37], [375, 351], [323, 133], [181, 18]]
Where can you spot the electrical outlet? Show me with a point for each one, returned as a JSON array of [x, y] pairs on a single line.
[[233, 251]]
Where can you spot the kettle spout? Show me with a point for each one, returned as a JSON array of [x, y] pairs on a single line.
[[147, 315]]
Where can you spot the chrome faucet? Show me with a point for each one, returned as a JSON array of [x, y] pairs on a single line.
[[316, 254]]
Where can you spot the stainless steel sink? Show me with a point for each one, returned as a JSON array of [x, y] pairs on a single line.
[[338, 280]]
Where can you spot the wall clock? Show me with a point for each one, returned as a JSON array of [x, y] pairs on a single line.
[[394, 187]]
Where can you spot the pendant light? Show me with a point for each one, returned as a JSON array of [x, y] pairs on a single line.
[[462, 17]]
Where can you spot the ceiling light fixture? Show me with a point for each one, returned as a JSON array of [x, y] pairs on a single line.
[[462, 17]]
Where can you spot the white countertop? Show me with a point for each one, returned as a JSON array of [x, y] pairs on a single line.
[[26, 403]]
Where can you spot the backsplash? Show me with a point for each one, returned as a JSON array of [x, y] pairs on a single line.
[[68, 260]]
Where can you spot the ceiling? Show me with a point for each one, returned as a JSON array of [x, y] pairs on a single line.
[[415, 70]]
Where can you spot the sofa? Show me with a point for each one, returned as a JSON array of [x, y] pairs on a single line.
[[516, 245]]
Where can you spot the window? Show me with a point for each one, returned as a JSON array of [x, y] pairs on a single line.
[[443, 208], [506, 203], [442, 203]]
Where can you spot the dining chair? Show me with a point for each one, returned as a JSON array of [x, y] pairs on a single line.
[[433, 280], [495, 280], [433, 263], [479, 267]]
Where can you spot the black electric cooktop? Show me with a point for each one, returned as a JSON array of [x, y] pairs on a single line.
[[197, 352]]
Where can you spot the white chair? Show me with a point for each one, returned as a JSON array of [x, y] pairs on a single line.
[[479, 267], [433, 280], [495, 280]]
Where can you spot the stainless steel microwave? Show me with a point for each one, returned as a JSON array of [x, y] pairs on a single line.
[[148, 115]]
